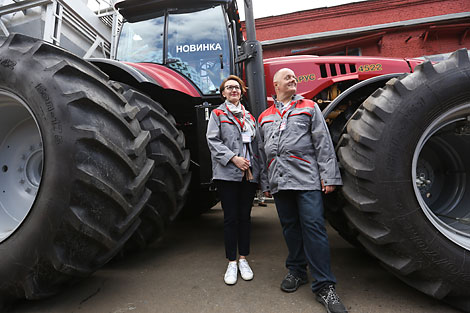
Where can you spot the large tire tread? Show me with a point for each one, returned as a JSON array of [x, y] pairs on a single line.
[[104, 189], [170, 179], [378, 230]]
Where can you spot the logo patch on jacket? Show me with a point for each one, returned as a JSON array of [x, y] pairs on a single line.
[[300, 124]]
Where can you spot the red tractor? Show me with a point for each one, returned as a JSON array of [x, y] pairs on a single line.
[[100, 155]]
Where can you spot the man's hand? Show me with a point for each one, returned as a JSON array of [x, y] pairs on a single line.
[[267, 194], [327, 189], [240, 162]]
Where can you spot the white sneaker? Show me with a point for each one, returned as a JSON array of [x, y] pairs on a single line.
[[245, 270], [230, 277]]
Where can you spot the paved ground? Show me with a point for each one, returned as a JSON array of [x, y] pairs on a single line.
[[184, 273]]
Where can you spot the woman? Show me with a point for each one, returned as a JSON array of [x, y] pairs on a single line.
[[233, 143]]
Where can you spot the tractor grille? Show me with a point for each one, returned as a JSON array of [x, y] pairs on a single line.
[[335, 69]]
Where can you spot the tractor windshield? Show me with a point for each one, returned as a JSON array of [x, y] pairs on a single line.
[[142, 41], [197, 45]]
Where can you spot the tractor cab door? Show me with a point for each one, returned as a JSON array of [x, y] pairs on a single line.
[[194, 42]]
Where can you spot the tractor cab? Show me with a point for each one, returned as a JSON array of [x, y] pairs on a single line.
[[194, 39]]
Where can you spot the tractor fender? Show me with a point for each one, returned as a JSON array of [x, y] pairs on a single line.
[[126, 73], [171, 99], [363, 84]]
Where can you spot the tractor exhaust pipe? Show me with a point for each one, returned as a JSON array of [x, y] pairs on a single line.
[[254, 64]]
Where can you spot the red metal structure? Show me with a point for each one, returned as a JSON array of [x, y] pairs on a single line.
[[317, 74]]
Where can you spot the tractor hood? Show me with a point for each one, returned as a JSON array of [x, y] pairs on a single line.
[[315, 73]]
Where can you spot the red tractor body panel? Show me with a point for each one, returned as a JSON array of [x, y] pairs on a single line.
[[167, 78], [314, 73]]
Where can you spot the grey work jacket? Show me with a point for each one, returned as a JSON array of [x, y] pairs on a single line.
[[297, 148], [224, 137]]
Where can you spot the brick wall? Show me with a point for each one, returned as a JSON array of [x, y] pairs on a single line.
[[396, 42]]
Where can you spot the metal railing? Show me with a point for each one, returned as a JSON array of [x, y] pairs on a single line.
[[59, 12]]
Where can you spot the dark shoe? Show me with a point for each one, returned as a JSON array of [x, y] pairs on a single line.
[[328, 297], [291, 283], [262, 204]]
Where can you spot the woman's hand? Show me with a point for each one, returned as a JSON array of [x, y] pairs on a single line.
[[240, 162]]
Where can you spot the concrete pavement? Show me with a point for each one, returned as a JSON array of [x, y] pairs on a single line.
[[184, 273]]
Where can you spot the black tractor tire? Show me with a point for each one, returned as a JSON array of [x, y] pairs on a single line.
[[406, 161], [171, 176], [87, 183], [200, 201], [334, 214]]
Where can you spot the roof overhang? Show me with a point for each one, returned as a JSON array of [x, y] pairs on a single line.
[[332, 47], [365, 29]]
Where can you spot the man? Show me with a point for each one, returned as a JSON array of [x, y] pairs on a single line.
[[301, 163]]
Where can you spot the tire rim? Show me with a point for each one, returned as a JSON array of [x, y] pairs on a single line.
[[441, 162], [21, 162]]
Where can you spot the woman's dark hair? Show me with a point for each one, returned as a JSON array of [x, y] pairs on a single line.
[[236, 78]]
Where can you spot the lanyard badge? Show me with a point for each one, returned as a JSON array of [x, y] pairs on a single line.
[[283, 125], [246, 137]]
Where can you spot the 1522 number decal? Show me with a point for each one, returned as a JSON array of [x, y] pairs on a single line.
[[370, 67]]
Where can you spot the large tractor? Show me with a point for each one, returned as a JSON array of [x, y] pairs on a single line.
[[98, 156]]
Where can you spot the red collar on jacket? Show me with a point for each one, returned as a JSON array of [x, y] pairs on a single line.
[[219, 112], [300, 104]]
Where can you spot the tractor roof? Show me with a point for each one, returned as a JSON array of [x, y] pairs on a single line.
[[134, 10]]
